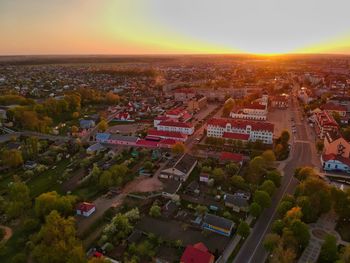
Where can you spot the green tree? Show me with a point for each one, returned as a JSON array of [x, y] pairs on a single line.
[[201, 209], [309, 213], [262, 198], [278, 226], [268, 186], [274, 176], [271, 242], [47, 202], [255, 209], [155, 211], [12, 158], [256, 169], [243, 229], [329, 250], [284, 207], [285, 136], [231, 168], [102, 125], [319, 146], [218, 175], [19, 199], [269, 158], [301, 233], [57, 243], [238, 181]]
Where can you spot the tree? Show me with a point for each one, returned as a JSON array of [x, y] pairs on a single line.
[[19, 199], [279, 151], [12, 158], [243, 229], [301, 233], [74, 129], [148, 166], [238, 181], [329, 250], [155, 211], [201, 209], [345, 255], [268, 186], [271, 242], [119, 228], [56, 242], [278, 226], [293, 214], [255, 209], [102, 125], [285, 136], [282, 255], [255, 169], [112, 98], [305, 172], [269, 157], [319, 146], [218, 174], [284, 207], [178, 148], [228, 106], [231, 168], [47, 202], [262, 198], [309, 213], [274, 176]]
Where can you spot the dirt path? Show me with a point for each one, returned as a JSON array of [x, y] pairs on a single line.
[[8, 233]]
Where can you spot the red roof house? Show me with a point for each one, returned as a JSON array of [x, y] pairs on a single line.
[[85, 209], [197, 253]]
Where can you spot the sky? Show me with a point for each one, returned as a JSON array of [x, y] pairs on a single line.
[[174, 26]]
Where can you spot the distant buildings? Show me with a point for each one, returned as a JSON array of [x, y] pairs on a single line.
[[253, 111], [251, 130], [197, 103], [184, 94]]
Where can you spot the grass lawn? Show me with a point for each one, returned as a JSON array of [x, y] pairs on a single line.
[[47, 181]]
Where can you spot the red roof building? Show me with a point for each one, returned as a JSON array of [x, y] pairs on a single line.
[[197, 253], [334, 108], [231, 157], [168, 135], [85, 209]]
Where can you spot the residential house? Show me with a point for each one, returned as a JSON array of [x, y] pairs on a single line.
[[218, 224], [197, 253], [86, 124], [85, 209], [333, 162], [226, 157], [179, 168], [325, 123], [236, 202]]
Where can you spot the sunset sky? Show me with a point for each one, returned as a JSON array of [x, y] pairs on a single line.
[[172, 27]]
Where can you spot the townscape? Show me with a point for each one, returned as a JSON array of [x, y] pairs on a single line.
[[175, 159]]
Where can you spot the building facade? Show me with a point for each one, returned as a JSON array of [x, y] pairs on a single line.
[[257, 131]]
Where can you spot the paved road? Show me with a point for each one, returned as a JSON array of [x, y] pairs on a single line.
[[301, 154]]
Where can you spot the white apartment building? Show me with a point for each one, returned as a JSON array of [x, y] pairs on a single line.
[[262, 131], [174, 126]]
